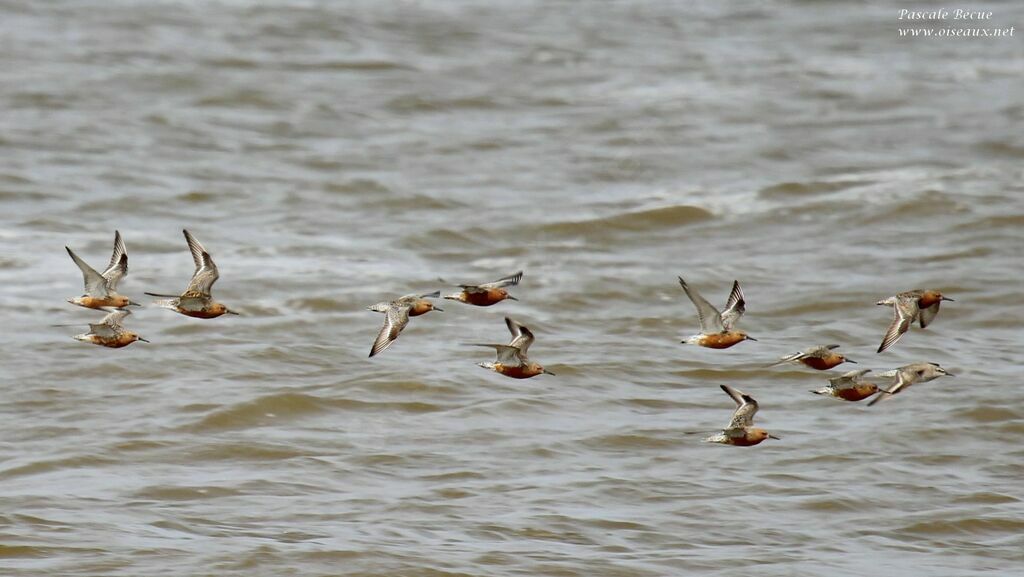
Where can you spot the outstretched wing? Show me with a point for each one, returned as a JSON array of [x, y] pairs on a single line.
[[927, 314], [411, 300], [102, 330], [734, 307], [510, 280], [118, 267], [902, 382], [95, 284], [904, 312], [522, 337], [115, 317], [820, 351], [848, 379], [709, 317], [206, 271], [110, 325], [746, 408], [789, 358], [394, 321], [507, 354]]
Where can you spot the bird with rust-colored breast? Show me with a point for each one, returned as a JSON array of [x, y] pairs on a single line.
[[716, 328], [396, 316], [487, 294], [512, 360], [917, 305], [101, 289], [109, 332], [907, 375], [820, 357], [849, 387], [741, 431], [196, 301]]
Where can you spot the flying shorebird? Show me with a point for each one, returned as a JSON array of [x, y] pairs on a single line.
[[849, 387], [819, 357], [196, 301], [109, 332], [908, 375], [512, 360], [909, 306], [741, 430], [716, 327], [397, 313], [101, 289], [487, 294]]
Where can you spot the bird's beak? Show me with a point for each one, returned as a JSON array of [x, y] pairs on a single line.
[[510, 297], [143, 340], [950, 375], [880, 303], [774, 437], [547, 372], [437, 309], [851, 361], [231, 312], [133, 303], [750, 338], [947, 299]]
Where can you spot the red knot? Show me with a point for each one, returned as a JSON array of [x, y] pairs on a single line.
[[741, 430], [716, 327], [512, 360], [487, 294], [101, 289], [396, 316], [196, 301], [917, 305]]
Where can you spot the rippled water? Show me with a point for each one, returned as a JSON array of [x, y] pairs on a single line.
[[331, 155]]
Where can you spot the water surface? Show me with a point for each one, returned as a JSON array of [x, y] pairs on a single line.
[[331, 155]]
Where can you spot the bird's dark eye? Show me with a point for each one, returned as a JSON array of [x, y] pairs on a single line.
[[920, 373]]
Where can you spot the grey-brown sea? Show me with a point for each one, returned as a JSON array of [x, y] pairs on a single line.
[[331, 155]]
